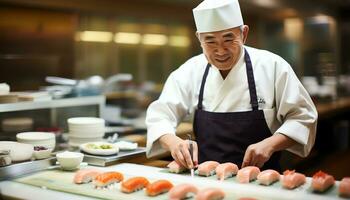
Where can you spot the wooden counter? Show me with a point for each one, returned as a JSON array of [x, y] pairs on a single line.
[[330, 109]]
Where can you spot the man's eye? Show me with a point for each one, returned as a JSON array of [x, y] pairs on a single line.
[[228, 40], [209, 42]]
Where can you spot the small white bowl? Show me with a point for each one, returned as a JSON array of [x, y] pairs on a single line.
[[69, 160], [46, 139], [18, 151], [42, 154]]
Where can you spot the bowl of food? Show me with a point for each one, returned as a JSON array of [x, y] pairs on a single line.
[[45, 139], [41, 152], [69, 160]]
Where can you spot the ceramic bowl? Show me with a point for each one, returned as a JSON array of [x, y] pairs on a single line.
[[69, 160], [42, 154], [18, 151], [45, 139]]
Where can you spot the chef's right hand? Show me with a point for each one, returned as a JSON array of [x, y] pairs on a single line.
[[179, 149]]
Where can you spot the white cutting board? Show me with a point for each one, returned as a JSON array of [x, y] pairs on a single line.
[[62, 181]]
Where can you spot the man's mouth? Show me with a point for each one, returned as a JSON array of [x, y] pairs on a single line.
[[222, 59]]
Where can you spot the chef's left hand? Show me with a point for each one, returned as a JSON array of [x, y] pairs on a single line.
[[257, 154]]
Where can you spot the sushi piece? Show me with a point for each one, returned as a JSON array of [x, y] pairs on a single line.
[[134, 184], [322, 181], [207, 168], [247, 174], [85, 175], [226, 170], [175, 167], [292, 179], [182, 191], [158, 187], [344, 187], [267, 177], [210, 194], [107, 178]]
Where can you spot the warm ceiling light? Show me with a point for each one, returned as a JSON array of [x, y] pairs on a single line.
[[127, 38], [94, 36], [179, 41], [154, 39]]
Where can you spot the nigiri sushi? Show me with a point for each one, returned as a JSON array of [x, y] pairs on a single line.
[[182, 191], [175, 167], [134, 184], [210, 194], [158, 187], [226, 170], [267, 177], [85, 175], [207, 168], [322, 181], [247, 174], [344, 187], [107, 178], [292, 179]]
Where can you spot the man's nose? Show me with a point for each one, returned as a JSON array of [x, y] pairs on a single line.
[[221, 50]]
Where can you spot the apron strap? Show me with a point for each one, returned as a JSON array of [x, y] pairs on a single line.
[[251, 81], [201, 91]]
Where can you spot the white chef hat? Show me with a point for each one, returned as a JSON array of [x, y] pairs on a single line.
[[217, 15]]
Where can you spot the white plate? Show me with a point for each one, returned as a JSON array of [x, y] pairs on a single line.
[[85, 148]]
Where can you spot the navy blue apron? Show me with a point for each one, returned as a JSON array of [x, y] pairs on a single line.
[[225, 136]]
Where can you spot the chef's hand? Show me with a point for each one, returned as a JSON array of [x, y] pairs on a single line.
[[257, 154], [179, 150]]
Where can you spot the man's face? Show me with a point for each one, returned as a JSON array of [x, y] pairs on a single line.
[[223, 48]]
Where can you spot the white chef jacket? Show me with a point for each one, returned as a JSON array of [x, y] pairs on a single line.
[[287, 106]]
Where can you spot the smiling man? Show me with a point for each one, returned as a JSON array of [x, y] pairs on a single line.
[[248, 104]]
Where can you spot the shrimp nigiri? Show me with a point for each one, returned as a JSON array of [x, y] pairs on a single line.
[[207, 168], [175, 167], [267, 177], [322, 181], [85, 175], [226, 170], [247, 174], [182, 191], [292, 179], [210, 194]]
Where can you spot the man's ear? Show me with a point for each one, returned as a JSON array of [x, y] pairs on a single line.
[[245, 33]]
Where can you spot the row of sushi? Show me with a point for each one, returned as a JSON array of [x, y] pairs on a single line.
[[182, 191], [321, 181]]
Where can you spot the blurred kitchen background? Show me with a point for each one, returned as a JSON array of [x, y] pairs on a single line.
[[124, 50]]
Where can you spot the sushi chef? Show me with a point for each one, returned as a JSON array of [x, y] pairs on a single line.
[[248, 104]]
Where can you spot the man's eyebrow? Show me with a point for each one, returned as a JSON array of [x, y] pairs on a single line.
[[209, 37], [230, 34]]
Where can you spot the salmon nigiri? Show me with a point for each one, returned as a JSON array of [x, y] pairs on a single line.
[[158, 187], [267, 177], [247, 174], [207, 168], [182, 191], [175, 167], [292, 179], [134, 184], [226, 170], [85, 175], [322, 181], [210, 194], [107, 178], [344, 187]]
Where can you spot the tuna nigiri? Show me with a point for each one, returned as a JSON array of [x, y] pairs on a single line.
[[182, 191], [267, 177], [247, 174], [210, 194], [322, 181], [226, 170], [175, 167], [292, 179], [134, 184], [158, 187], [85, 175], [207, 168], [344, 187], [107, 178]]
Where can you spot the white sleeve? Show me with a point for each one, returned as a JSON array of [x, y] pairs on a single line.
[[295, 110], [164, 114]]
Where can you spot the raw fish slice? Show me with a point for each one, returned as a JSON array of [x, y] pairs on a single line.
[[85, 175], [267, 177], [182, 191], [322, 181], [207, 168], [344, 187], [210, 194], [292, 179], [175, 167], [107, 178], [158, 187], [247, 174], [134, 184], [226, 170]]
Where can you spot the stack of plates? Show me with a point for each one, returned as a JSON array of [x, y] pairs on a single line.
[[85, 129]]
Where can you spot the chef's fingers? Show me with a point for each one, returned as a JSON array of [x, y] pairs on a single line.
[[195, 153], [247, 158], [187, 156], [181, 158], [176, 157]]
